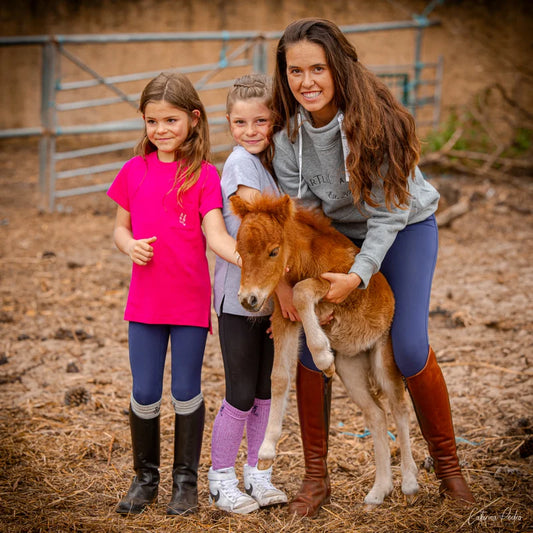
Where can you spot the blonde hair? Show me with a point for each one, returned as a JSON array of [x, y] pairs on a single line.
[[250, 86], [177, 90]]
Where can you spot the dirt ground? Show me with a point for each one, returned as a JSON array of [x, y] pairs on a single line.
[[64, 377]]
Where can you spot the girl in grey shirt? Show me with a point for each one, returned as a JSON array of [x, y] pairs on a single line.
[[247, 349]]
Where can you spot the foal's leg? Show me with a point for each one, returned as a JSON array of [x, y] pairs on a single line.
[[286, 337], [354, 373], [400, 413], [306, 294], [390, 381]]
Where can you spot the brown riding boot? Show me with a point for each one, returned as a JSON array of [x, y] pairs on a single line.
[[432, 406], [313, 391]]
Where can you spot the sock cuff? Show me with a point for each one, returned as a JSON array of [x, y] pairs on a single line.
[[187, 407], [146, 412], [229, 410], [262, 403]]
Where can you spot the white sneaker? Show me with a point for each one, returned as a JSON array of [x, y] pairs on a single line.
[[224, 493], [258, 485]]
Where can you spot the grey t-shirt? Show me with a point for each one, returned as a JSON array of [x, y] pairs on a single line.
[[318, 177], [241, 168]]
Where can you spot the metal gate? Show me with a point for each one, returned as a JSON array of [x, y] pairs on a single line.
[[69, 170]]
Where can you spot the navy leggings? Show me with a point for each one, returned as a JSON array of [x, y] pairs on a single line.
[[148, 348], [408, 266]]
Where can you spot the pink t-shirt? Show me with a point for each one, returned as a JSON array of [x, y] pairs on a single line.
[[175, 286]]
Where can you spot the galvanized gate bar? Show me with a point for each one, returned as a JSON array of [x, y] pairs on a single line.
[[143, 75], [79, 63], [94, 150]]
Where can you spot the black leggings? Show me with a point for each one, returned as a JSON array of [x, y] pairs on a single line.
[[248, 353]]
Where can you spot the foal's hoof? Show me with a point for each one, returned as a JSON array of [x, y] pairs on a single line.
[[330, 370], [369, 507], [410, 499], [264, 464]]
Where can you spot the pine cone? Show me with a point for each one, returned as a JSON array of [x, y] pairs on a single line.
[[72, 368], [77, 396], [526, 448], [525, 425]]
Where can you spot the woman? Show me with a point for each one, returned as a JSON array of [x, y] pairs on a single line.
[[343, 143]]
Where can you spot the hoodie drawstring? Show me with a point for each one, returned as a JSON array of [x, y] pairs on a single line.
[[345, 149], [300, 143]]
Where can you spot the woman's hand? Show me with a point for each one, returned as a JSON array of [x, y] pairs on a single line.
[[284, 294], [341, 286]]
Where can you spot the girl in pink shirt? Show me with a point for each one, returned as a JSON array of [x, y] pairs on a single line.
[[168, 196]]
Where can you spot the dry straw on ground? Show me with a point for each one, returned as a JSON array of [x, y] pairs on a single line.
[[65, 455]]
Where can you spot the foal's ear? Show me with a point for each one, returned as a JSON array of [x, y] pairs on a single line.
[[284, 209], [239, 206]]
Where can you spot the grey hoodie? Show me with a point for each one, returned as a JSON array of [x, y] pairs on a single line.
[[313, 169]]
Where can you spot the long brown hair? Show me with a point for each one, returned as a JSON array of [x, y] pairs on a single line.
[[379, 130], [177, 90]]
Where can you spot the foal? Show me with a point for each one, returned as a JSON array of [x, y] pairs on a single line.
[[278, 238]]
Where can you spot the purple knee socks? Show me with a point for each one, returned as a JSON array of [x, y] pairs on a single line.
[[227, 435], [255, 428]]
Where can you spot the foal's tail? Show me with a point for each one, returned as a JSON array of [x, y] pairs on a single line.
[[384, 368]]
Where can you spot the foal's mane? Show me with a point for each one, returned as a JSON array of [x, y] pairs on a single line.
[[314, 218], [276, 207]]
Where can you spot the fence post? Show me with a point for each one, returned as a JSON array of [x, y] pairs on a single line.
[[417, 69], [438, 92], [48, 122], [259, 60]]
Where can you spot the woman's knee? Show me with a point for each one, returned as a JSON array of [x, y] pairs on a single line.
[[306, 358], [411, 357]]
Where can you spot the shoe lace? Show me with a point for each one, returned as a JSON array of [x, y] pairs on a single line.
[[261, 482], [230, 490]]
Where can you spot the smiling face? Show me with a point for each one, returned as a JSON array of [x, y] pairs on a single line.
[[310, 80], [250, 123], [167, 127]]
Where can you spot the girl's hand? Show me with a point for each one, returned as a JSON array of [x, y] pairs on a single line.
[[341, 286], [140, 251]]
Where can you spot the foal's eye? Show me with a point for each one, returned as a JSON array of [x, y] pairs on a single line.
[[274, 252]]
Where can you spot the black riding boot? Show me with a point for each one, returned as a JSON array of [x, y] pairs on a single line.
[[145, 445], [188, 434]]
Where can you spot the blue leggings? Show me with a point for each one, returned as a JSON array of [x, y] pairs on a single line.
[[148, 349], [408, 266]]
